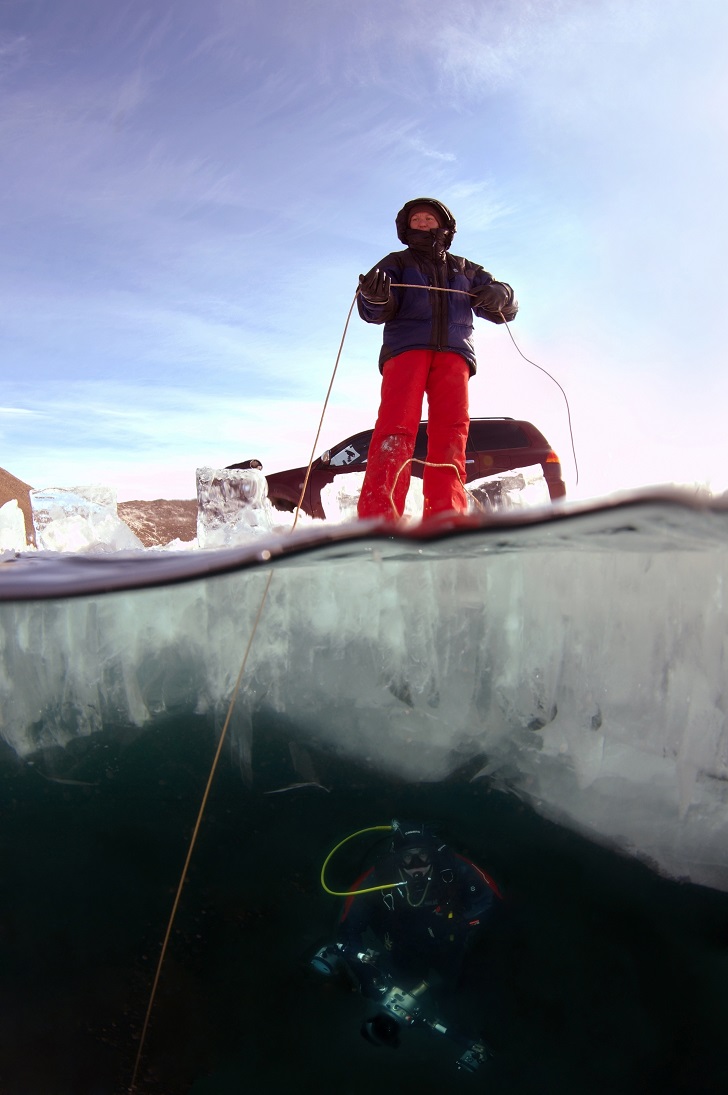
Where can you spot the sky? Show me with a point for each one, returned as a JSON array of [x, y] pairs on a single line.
[[189, 191]]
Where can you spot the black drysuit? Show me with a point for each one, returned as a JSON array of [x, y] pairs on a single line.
[[418, 928]]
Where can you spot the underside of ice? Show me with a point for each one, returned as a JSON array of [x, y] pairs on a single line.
[[579, 663]]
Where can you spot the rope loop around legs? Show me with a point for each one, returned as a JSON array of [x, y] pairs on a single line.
[[426, 464]]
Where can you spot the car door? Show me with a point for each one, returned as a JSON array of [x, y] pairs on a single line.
[[346, 456]]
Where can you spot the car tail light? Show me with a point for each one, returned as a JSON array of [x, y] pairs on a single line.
[[552, 458]]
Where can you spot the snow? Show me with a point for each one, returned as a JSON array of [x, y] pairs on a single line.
[[12, 527], [582, 659]]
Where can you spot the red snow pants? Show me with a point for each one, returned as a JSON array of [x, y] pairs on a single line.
[[406, 378]]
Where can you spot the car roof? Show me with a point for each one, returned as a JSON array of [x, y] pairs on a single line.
[[506, 423]]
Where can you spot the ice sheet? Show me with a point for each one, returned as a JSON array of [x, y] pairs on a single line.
[[581, 658]]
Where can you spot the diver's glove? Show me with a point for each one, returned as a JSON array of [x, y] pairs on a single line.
[[374, 287], [496, 298]]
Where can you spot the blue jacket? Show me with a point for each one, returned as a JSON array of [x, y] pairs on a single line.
[[417, 320]]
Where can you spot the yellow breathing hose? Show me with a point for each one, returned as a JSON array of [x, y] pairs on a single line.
[[332, 853]]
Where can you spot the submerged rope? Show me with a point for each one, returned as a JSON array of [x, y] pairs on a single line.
[[223, 735], [193, 839]]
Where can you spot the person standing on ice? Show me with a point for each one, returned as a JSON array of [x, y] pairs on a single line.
[[427, 348]]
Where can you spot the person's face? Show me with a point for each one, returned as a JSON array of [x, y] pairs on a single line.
[[416, 861], [423, 221]]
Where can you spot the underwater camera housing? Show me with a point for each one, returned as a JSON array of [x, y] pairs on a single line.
[[399, 1008], [327, 959], [473, 1057], [403, 1008]]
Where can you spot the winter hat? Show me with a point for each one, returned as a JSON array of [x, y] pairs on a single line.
[[426, 207]]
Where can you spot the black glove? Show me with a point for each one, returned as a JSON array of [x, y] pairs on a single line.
[[494, 297], [374, 287]]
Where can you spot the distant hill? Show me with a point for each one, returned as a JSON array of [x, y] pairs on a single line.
[[159, 522]]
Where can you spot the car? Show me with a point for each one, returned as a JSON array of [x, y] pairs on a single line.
[[494, 445]]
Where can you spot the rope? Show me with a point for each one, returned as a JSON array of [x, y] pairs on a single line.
[[568, 409], [323, 412], [238, 682], [426, 464], [223, 735], [193, 840], [464, 292]]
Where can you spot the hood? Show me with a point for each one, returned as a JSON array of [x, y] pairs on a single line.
[[413, 834], [442, 211]]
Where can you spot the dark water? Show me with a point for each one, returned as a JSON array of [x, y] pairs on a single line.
[[595, 977]]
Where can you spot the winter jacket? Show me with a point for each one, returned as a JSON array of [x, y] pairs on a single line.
[[417, 320]]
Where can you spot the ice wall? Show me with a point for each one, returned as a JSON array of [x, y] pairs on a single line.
[[583, 659]]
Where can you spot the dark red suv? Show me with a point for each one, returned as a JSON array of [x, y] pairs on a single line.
[[494, 445]]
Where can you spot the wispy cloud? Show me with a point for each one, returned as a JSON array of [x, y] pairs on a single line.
[[422, 148]]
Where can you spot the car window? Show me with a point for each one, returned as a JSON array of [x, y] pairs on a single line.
[[420, 450], [351, 452], [488, 435]]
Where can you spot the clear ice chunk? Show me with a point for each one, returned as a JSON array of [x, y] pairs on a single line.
[[232, 506], [81, 519], [511, 490]]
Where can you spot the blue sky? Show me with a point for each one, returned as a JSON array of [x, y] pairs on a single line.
[[190, 190]]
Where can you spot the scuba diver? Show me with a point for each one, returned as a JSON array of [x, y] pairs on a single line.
[[420, 906]]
